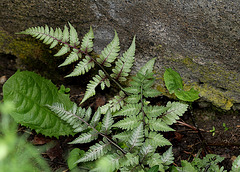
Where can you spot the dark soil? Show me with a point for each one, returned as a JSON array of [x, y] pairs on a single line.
[[192, 133]]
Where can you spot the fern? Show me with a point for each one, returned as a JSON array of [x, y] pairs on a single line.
[[130, 131], [70, 44]]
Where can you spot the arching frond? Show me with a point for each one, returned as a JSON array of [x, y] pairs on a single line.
[[155, 139], [85, 137], [110, 53]]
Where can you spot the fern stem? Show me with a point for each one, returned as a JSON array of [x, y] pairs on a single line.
[[103, 135]]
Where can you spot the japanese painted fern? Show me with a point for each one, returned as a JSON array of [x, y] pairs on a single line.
[[130, 130]]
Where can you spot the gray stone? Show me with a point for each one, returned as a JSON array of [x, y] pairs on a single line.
[[199, 39]]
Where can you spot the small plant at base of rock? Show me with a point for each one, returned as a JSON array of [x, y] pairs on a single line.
[[130, 131]]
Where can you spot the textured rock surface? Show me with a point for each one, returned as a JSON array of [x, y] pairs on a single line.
[[199, 39]]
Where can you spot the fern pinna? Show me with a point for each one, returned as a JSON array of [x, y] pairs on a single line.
[[69, 41]]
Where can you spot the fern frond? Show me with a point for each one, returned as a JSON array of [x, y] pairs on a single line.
[[127, 123], [167, 157], [156, 139], [129, 110], [175, 110], [133, 98], [102, 79], [110, 53], [154, 111], [107, 123], [96, 151], [85, 137], [115, 104], [82, 67], [137, 137], [158, 125], [87, 42], [124, 64]]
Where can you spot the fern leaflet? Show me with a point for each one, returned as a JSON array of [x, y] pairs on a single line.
[[110, 53]]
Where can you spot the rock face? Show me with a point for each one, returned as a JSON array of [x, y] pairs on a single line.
[[199, 39]]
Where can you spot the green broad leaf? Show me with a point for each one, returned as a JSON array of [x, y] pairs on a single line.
[[173, 80], [110, 53], [188, 96], [154, 169], [148, 67], [151, 93], [74, 155], [30, 94]]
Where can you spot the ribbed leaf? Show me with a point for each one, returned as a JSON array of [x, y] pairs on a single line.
[[65, 37], [133, 99], [96, 117], [124, 64], [136, 139], [107, 123], [173, 80], [30, 93], [110, 53], [95, 152], [129, 110], [127, 123], [146, 149], [83, 66], [133, 90], [87, 42]]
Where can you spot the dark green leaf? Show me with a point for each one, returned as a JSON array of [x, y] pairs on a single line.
[[173, 80]]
